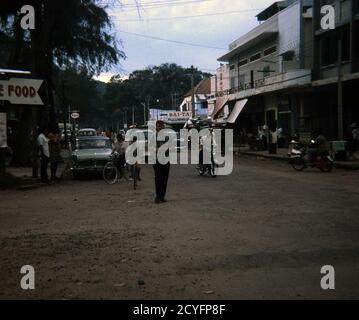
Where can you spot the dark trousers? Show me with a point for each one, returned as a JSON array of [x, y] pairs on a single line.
[[44, 165], [161, 178], [53, 167]]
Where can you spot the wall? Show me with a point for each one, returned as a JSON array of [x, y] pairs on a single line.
[[288, 39]]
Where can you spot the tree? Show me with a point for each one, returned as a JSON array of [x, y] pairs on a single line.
[[149, 85], [68, 33]]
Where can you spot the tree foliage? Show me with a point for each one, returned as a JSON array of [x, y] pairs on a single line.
[[67, 33], [161, 86]]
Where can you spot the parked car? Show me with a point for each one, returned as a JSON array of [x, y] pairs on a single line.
[[90, 155], [87, 132]]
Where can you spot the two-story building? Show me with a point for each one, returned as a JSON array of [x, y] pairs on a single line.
[[201, 95], [220, 87], [271, 67], [335, 70]]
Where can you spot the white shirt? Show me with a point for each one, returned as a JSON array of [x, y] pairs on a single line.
[[43, 142], [121, 147]]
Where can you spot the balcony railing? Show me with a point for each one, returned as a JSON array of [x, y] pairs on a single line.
[[302, 76]]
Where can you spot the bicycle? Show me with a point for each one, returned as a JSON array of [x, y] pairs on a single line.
[[111, 173]]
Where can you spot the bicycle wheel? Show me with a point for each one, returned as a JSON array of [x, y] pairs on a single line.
[[110, 173]]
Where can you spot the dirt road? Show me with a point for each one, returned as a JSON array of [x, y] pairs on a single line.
[[263, 232]]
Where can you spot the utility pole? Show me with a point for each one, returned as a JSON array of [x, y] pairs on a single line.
[[340, 93], [192, 90], [64, 113], [148, 107], [125, 124], [133, 114]]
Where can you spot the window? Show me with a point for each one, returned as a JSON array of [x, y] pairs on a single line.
[[255, 57], [204, 105], [269, 51], [329, 49], [242, 63], [233, 82], [329, 46], [266, 71], [232, 67], [242, 80], [345, 36]]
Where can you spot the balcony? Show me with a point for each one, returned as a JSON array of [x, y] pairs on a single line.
[[286, 80]]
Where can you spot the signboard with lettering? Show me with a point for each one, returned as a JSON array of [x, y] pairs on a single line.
[[21, 91], [3, 129], [75, 115], [178, 116]]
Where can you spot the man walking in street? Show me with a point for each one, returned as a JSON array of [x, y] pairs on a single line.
[[44, 153], [161, 171]]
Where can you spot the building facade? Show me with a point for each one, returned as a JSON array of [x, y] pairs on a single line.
[[201, 94], [335, 70], [272, 66]]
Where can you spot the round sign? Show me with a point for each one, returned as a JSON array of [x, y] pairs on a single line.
[[75, 115]]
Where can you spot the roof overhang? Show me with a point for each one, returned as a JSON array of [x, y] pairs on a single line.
[[246, 45], [237, 110], [271, 10], [220, 103], [4, 71]]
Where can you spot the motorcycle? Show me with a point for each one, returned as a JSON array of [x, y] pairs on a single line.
[[300, 159]]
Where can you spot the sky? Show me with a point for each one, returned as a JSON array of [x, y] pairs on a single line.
[[208, 24]]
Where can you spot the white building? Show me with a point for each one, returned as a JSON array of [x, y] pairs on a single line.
[[271, 66]]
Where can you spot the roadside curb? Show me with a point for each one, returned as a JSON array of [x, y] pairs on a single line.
[[26, 187], [338, 165], [266, 156]]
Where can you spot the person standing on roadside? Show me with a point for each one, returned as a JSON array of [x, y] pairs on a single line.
[[44, 153], [161, 170], [120, 147], [55, 154]]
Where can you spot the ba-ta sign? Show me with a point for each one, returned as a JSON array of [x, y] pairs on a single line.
[[21, 91]]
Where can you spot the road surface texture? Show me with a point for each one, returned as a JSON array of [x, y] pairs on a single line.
[[263, 232]]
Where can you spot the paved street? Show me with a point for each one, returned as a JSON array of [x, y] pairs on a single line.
[[263, 232]]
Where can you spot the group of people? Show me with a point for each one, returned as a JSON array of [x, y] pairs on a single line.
[[49, 152]]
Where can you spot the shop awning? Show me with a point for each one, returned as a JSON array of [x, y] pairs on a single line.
[[237, 110], [220, 103]]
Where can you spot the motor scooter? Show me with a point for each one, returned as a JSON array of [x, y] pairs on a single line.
[[300, 159]]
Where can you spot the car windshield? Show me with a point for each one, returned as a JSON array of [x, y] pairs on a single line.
[[93, 144], [87, 133]]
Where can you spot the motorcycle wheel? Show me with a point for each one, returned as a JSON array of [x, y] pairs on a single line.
[[326, 167], [298, 164]]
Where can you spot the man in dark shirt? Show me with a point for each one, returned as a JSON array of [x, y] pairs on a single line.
[[161, 171]]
